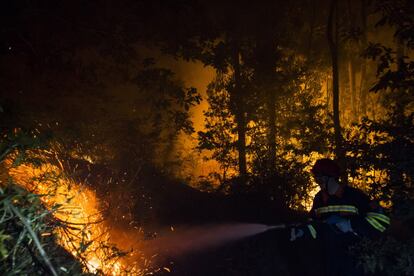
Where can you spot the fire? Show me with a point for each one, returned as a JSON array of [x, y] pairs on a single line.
[[76, 206]]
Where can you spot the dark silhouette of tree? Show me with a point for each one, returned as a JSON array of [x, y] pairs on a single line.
[[333, 40], [265, 71], [219, 134], [363, 84], [238, 98]]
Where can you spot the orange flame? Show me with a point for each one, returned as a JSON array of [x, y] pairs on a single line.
[[77, 207]]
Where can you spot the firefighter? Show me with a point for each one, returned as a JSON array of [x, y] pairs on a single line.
[[341, 215]]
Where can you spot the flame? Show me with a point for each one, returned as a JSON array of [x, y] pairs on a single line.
[[76, 206]]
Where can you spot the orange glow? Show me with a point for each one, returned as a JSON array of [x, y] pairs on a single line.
[[76, 206]]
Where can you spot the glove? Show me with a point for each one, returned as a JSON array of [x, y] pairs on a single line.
[[345, 226], [296, 233], [334, 219]]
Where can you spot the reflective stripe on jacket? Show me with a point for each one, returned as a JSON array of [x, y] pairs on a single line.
[[378, 221], [352, 204], [336, 208]]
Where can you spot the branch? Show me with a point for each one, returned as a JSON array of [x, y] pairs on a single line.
[[35, 239]]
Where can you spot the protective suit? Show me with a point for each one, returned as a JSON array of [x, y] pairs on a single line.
[[341, 215]]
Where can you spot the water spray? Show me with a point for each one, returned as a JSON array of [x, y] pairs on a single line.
[[278, 226], [187, 240]]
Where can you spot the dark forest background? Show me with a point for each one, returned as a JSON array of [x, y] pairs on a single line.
[[294, 81]]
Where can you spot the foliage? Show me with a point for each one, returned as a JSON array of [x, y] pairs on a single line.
[[219, 136], [386, 146], [22, 211], [398, 14], [302, 129], [386, 256], [305, 126]]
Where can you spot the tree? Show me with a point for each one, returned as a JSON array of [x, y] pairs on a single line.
[[332, 35], [393, 147], [363, 45], [219, 135], [238, 98], [265, 74]]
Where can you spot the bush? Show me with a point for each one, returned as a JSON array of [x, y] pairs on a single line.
[[386, 256], [27, 241]]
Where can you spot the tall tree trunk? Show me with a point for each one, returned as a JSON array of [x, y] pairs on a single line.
[[239, 114], [400, 108], [265, 77], [351, 65], [363, 91], [332, 30], [328, 94], [374, 102], [313, 7], [271, 138], [352, 88]]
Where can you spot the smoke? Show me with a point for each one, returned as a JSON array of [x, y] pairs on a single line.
[[188, 240]]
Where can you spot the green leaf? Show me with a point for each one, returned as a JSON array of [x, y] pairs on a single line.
[[3, 249]]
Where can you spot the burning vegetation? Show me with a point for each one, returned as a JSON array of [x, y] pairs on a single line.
[[45, 213]]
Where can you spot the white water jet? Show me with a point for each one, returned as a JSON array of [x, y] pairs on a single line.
[[186, 240]]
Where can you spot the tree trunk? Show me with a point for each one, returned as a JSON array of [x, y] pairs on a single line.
[[239, 114], [363, 91], [351, 65], [328, 94], [265, 78], [400, 108], [313, 7], [271, 139], [352, 88], [333, 47]]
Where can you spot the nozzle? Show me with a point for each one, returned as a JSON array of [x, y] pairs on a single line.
[[278, 226]]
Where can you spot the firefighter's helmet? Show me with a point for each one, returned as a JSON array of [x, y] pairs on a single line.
[[326, 167]]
